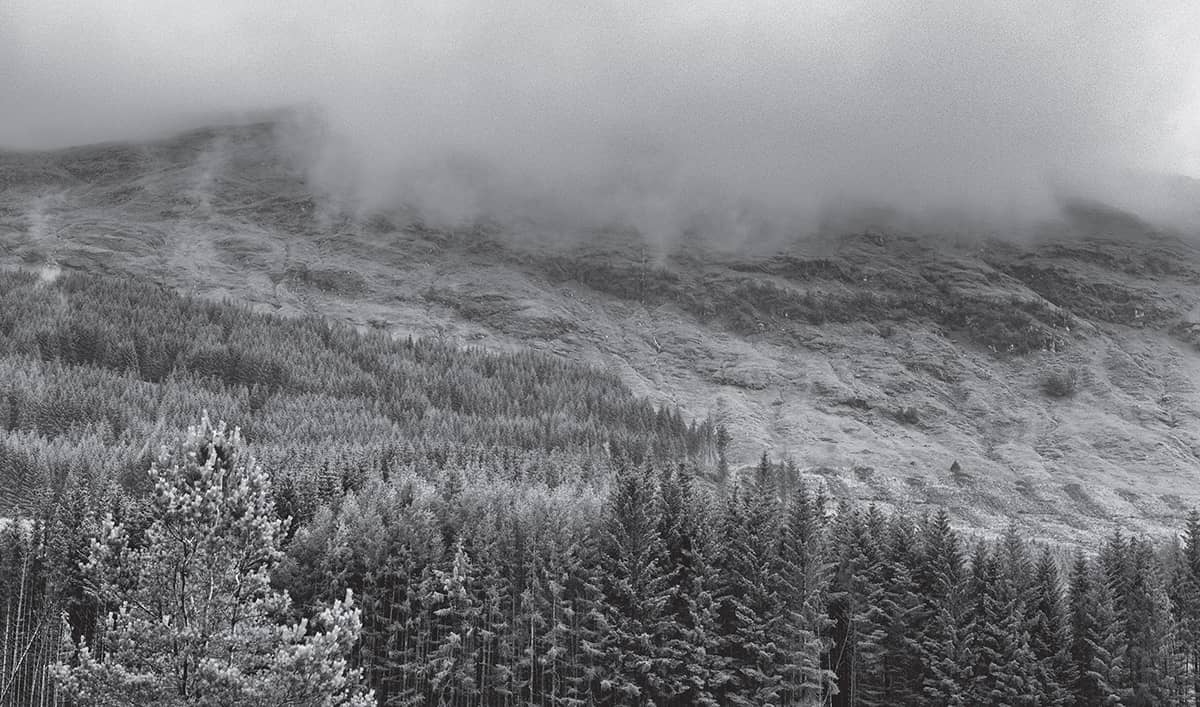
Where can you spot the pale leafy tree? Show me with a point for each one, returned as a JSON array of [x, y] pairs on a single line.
[[195, 620]]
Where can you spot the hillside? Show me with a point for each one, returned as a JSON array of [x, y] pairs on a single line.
[[875, 358]]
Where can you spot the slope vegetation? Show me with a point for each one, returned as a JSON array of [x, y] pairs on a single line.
[[1051, 379]]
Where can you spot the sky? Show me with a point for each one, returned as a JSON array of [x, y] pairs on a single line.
[[662, 116]]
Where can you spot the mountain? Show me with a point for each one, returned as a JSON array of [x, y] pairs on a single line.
[[1051, 378]]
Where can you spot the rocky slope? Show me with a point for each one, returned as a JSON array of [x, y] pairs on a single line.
[[1052, 379]]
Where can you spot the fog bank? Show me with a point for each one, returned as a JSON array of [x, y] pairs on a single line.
[[726, 117]]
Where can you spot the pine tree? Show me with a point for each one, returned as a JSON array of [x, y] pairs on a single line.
[[194, 609]]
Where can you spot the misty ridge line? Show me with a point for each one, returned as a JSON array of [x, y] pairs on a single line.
[[249, 153], [733, 123]]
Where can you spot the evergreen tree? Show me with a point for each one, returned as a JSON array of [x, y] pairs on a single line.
[[749, 621], [1152, 660], [940, 580], [688, 637], [636, 593], [194, 619], [899, 611], [589, 623], [1002, 663], [1097, 641], [854, 655], [1186, 598], [722, 445], [1048, 634], [28, 614], [453, 663], [804, 564]]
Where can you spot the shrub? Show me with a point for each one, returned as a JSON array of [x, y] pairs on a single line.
[[908, 415], [1060, 383]]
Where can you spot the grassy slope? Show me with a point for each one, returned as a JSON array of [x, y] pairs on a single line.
[[813, 351]]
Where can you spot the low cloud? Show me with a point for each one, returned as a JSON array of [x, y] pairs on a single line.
[[725, 117]]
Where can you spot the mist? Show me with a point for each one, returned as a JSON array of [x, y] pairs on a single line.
[[724, 117]]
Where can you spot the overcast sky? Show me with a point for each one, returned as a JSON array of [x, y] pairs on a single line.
[[656, 113]]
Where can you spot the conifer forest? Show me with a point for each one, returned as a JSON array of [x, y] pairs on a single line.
[[204, 505], [543, 353]]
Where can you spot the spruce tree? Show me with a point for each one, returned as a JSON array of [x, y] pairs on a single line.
[[749, 619], [940, 579], [453, 664], [1048, 633], [636, 592], [899, 617], [854, 654], [804, 565], [1097, 642], [1002, 663], [688, 635], [589, 623], [1152, 660], [1186, 597]]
